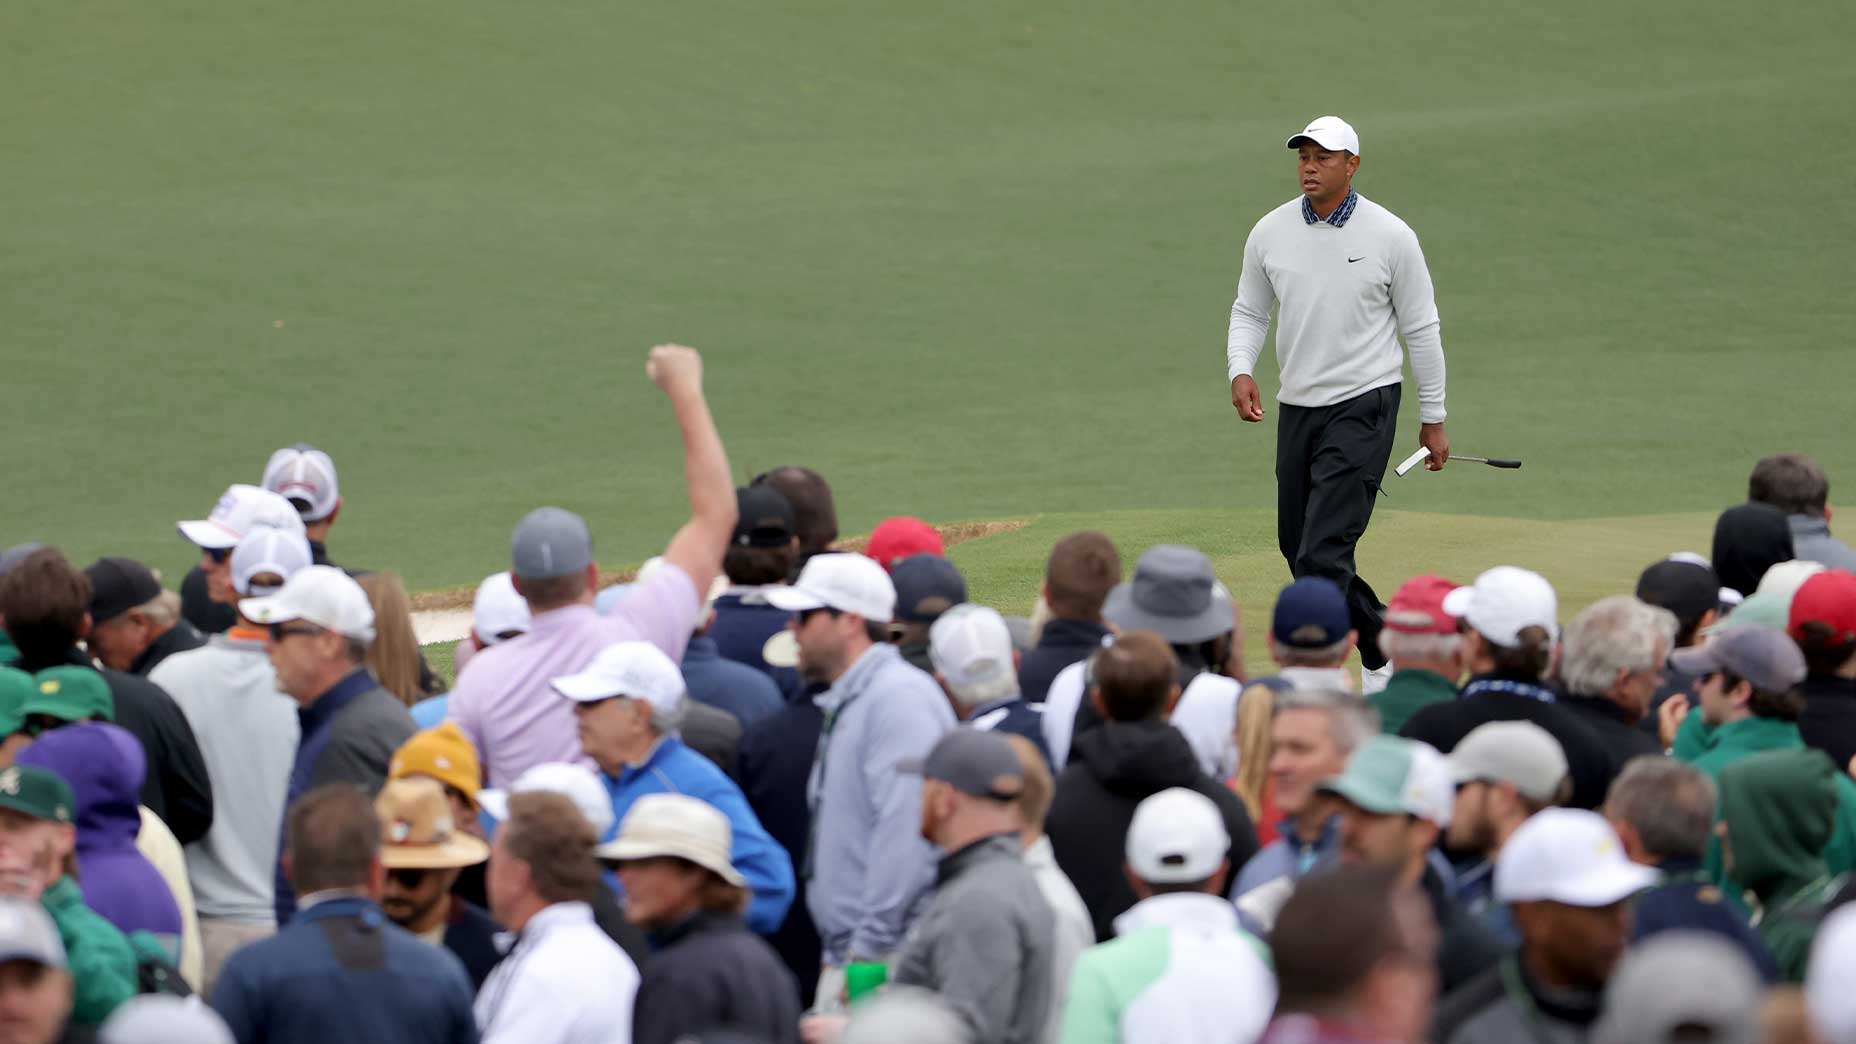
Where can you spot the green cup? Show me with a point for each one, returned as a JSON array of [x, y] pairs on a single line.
[[862, 978]]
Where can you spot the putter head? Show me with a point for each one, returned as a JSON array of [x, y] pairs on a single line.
[[1411, 462]]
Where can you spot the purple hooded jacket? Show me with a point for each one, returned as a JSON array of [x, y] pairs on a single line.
[[105, 765]]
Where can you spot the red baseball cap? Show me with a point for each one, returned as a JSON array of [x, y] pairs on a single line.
[[895, 539], [1417, 607], [1828, 598]]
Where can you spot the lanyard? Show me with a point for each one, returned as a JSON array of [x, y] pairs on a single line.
[[815, 783]]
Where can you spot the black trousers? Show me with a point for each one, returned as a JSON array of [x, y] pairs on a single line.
[[1329, 463]]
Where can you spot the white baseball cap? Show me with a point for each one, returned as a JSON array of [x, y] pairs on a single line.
[[1516, 752], [1331, 133], [849, 583], [972, 648], [304, 473], [267, 550], [675, 825], [635, 670], [1176, 836], [1827, 978], [1569, 856], [1504, 601], [319, 594], [576, 783], [240, 510], [498, 609]]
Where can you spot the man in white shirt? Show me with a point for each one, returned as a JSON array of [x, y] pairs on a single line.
[[563, 981], [1351, 281]]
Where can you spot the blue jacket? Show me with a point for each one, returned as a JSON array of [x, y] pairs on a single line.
[[1060, 644], [673, 768], [1687, 899], [342, 972], [742, 691]]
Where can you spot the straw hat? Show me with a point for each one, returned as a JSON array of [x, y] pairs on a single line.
[[416, 829]]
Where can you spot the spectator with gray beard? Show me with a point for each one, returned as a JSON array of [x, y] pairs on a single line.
[[1795, 485], [1611, 661], [1663, 812]]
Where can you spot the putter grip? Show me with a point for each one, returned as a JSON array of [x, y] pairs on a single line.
[[1493, 463]]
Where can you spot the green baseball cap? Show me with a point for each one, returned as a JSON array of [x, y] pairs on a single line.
[[70, 693], [15, 688], [1388, 775], [36, 792]]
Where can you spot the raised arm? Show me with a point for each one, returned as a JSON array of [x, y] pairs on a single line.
[[698, 546]]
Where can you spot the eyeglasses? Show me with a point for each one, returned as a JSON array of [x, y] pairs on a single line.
[[219, 555], [281, 631], [408, 877]]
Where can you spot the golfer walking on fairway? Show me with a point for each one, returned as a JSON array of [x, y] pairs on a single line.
[[1350, 281]]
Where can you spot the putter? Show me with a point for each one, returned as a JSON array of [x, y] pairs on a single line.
[[1416, 458]]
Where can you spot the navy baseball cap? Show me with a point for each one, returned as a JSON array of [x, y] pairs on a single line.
[[926, 586], [1310, 614]]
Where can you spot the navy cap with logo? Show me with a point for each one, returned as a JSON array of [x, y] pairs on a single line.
[[118, 585], [1310, 614], [982, 764], [36, 792], [926, 586], [764, 517]]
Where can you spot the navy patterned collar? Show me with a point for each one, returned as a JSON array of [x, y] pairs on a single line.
[[1340, 215]]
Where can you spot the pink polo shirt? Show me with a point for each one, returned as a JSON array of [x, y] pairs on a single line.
[[503, 702]]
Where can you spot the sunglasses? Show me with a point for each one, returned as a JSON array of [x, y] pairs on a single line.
[[279, 632], [408, 878], [806, 615], [219, 555]]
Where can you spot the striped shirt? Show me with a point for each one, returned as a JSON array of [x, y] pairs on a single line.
[[1341, 213]]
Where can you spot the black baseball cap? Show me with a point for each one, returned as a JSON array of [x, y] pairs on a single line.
[[926, 586], [1684, 587], [766, 517], [118, 585]]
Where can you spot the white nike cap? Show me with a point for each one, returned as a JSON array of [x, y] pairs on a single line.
[[240, 510], [847, 582], [1176, 836], [1331, 133], [1568, 856]]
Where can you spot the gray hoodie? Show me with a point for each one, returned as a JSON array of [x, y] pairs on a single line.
[[869, 863]]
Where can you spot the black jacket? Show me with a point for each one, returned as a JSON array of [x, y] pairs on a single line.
[[182, 637], [1060, 644], [470, 935], [1465, 949], [1113, 767], [710, 973], [177, 788], [1621, 737], [198, 609], [1489, 698], [1686, 899], [773, 762], [1829, 719]]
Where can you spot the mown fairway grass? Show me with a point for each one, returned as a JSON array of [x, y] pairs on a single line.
[[971, 260]]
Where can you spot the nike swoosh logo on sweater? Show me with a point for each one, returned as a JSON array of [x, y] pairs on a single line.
[[1351, 260]]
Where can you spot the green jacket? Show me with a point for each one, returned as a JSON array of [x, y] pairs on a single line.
[[1408, 692], [1729, 743], [1780, 808], [102, 964]]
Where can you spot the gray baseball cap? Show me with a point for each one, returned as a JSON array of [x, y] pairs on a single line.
[[1520, 753], [28, 934], [982, 764], [1681, 981], [1767, 658], [1173, 593], [550, 542]]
